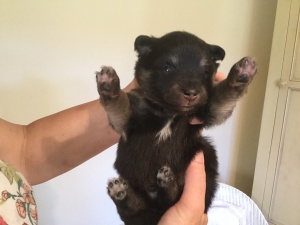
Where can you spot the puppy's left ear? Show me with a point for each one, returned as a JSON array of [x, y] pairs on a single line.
[[218, 53], [143, 44]]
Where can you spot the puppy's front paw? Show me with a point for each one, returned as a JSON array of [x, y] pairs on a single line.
[[242, 72], [116, 189], [165, 176], [108, 83]]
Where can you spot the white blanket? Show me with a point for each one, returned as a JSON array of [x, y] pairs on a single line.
[[232, 207]]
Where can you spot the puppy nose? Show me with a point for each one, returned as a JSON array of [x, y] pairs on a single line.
[[190, 94]]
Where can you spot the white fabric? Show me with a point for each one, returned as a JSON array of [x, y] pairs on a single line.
[[232, 207]]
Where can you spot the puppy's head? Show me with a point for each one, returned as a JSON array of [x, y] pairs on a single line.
[[176, 70]]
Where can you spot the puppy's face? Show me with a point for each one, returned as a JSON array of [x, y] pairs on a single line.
[[177, 70]]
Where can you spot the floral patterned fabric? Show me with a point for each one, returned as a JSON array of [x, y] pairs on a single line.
[[17, 204]]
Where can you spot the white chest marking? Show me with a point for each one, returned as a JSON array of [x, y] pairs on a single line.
[[165, 132]]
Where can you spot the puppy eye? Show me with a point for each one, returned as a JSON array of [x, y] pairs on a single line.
[[168, 68]]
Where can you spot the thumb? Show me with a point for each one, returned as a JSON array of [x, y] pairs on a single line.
[[193, 196]]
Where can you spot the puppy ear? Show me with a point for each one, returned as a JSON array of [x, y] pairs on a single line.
[[143, 44], [218, 53]]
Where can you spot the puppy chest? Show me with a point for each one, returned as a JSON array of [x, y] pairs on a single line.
[[144, 152]]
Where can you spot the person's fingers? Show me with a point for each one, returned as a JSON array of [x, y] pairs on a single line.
[[195, 121], [190, 208], [193, 196], [220, 76]]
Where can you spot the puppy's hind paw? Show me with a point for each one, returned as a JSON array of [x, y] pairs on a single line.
[[116, 189], [108, 83], [165, 176]]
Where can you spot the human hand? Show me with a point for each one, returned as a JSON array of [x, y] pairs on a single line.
[[220, 76], [189, 210], [132, 85]]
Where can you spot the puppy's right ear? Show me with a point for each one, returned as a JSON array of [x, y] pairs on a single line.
[[218, 53], [143, 44]]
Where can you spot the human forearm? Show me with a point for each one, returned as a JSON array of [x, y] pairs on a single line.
[[58, 143]]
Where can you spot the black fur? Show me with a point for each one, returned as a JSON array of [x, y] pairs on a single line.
[[175, 74]]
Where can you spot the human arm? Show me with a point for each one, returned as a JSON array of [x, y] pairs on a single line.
[[55, 144], [189, 210]]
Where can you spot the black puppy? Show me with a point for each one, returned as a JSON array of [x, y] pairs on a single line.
[[175, 74]]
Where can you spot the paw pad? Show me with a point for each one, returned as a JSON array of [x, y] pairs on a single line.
[[108, 82], [247, 69], [164, 176], [116, 188], [242, 72]]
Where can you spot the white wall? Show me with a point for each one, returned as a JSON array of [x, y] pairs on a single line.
[[49, 51]]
